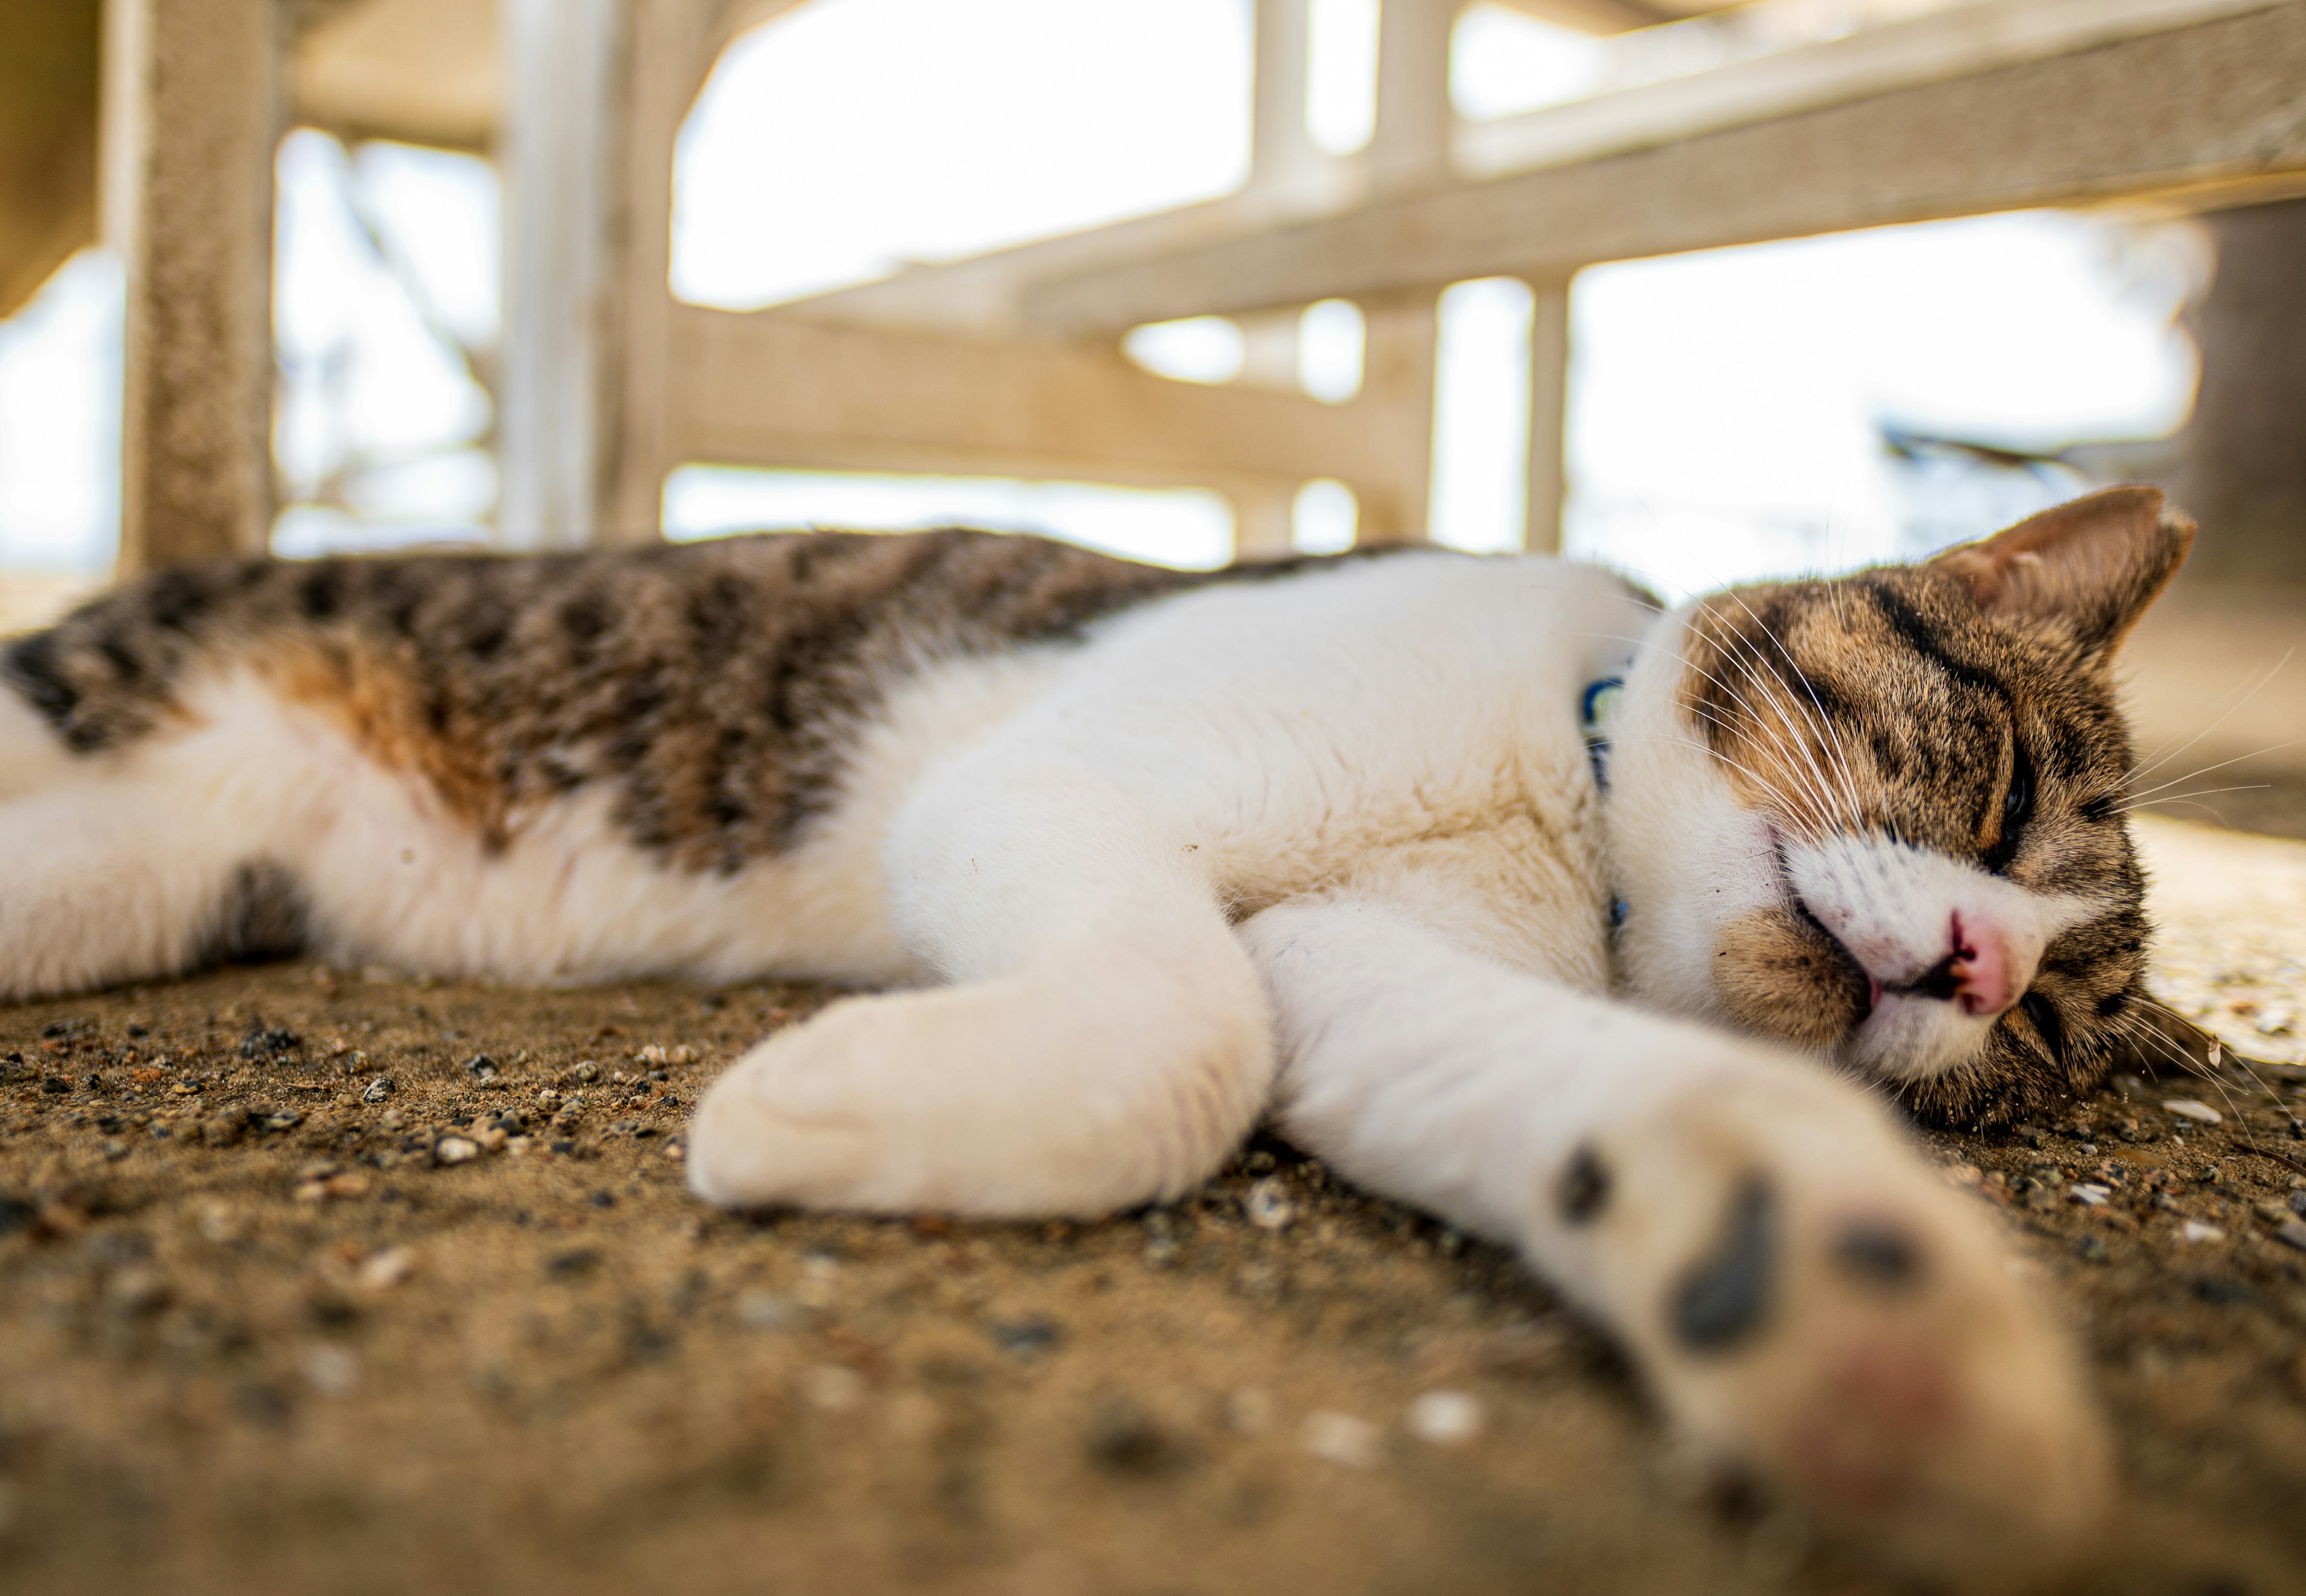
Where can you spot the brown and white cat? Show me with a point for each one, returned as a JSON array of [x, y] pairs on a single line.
[[1138, 855]]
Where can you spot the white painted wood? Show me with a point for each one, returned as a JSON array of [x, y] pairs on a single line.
[[2067, 129], [1398, 373], [1549, 415], [1409, 147], [562, 121], [192, 114], [771, 388], [1970, 39]]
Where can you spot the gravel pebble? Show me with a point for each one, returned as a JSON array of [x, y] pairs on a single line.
[[455, 1150], [2187, 1108], [331, 1371], [759, 1309], [384, 1271], [832, 1387], [1268, 1205], [1341, 1439], [1446, 1418]]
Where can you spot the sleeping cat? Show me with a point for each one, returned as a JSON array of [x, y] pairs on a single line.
[[1603, 932]]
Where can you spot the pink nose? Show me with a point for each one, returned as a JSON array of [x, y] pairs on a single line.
[[1977, 964]]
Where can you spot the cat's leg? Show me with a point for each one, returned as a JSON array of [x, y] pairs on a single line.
[[1802, 1292], [1104, 1040], [124, 864]]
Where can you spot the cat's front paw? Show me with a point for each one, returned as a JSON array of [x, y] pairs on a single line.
[[1812, 1304]]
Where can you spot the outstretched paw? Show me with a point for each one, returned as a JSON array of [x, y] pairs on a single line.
[[1813, 1306]]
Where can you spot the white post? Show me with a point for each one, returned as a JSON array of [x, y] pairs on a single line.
[[191, 118], [563, 95], [1549, 414], [1283, 159], [1410, 146]]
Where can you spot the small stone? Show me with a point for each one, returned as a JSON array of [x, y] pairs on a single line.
[[586, 1070], [2187, 1108], [455, 1150], [832, 1387], [1026, 1339], [654, 1053], [2089, 1194], [1444, 1418], [682, 1054], [759, 1309], [387, 1269], [1341, 1439], [377, 1090], [286, 1120], [331, 1371], [1268, 1205], [2194, 1233], [2292, 1232], [481, 1066]]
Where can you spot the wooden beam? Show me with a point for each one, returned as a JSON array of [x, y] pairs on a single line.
[[1549, 415], [1409, 147], [771, 388], [1598, 16], [192, 93], [562, 124], [2213, 101], [1966, 38]]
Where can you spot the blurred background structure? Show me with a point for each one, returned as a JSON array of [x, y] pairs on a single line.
[[1712, 291]]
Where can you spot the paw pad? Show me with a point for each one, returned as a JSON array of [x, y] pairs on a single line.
[[1878, 1255], [1723, 1297], [1584, 1188]]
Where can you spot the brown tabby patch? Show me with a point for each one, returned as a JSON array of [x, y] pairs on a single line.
[[713, 687], [1898, 702]]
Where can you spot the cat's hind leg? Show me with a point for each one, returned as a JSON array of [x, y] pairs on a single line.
[[1104, 1041], [142, 861]]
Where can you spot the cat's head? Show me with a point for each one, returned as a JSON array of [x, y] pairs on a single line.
[[1883, 817]]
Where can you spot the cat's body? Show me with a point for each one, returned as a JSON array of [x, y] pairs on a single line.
[[1153, 854]]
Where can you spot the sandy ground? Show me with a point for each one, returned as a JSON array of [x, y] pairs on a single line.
[[265, 1323]]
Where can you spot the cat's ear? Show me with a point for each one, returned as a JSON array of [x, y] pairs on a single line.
[[2092, 565]]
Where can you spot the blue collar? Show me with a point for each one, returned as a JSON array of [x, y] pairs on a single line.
[[1595, 707]]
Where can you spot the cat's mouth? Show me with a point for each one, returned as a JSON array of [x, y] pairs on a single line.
[[1853, 969], [1808, 917]]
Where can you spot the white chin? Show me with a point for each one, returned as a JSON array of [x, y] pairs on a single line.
[[1914, 1038]]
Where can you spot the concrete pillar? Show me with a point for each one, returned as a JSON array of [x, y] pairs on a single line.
[[192, 117]]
